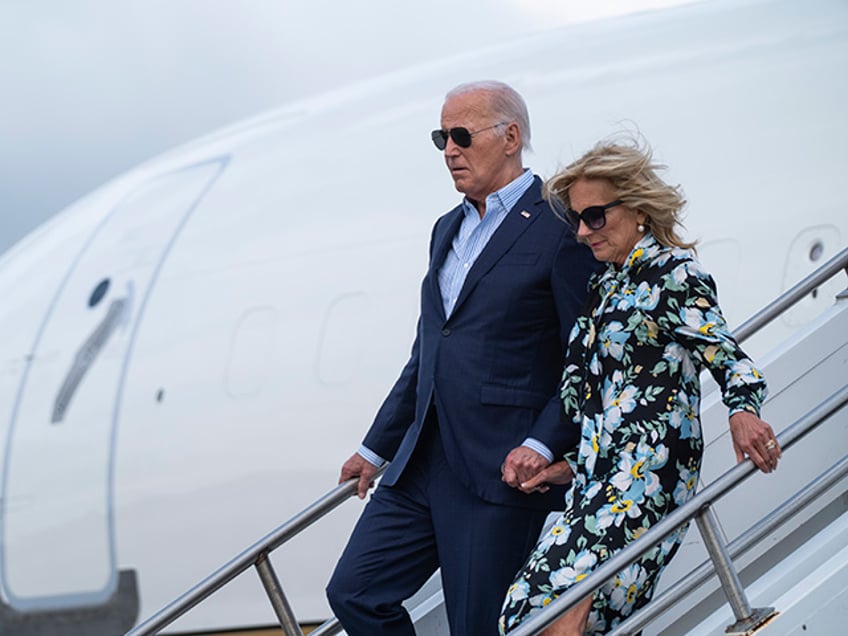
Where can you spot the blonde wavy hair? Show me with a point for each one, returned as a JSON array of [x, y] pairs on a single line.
[[629, 166]]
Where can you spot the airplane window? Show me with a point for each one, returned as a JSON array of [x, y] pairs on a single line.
[[811, 246], [99, 292]]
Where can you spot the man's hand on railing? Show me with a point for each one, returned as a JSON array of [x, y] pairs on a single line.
[[358, 466]]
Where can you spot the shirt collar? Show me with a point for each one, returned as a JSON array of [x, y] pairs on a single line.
[[505, 198]]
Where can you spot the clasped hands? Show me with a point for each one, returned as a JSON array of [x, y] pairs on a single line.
[[529, 472]]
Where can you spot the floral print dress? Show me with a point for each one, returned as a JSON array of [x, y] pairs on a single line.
[[631, 384]]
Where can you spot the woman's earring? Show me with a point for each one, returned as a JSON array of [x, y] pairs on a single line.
[[641, 228]]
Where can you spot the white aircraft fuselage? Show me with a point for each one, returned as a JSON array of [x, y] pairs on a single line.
[[191, 351]]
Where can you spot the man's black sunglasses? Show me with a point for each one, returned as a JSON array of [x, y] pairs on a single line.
[[593, 217], [461, 136]]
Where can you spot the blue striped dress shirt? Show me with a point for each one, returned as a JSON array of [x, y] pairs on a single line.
[[474, 234]]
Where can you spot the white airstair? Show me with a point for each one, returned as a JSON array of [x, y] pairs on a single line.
[[768, 554]]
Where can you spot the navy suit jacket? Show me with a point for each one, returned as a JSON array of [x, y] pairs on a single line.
[[493, 367]]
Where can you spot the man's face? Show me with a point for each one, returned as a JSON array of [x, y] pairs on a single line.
[[488, 163]]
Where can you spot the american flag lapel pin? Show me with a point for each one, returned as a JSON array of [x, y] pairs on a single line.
[[525, 214]]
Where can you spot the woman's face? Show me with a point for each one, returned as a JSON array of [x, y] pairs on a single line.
[[614, 241]]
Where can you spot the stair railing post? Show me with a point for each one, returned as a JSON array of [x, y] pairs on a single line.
[[746, 618], [282, 609]]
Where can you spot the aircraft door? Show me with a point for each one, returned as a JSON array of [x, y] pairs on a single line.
[[57, 543]]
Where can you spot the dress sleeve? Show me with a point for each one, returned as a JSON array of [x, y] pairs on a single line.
[[693, 317]]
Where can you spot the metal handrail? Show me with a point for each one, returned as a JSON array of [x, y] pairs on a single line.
[[791, 296], [254, 556], [682, 515], [744, 542]]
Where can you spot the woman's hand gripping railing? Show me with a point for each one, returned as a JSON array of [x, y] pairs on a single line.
[[256, 556]]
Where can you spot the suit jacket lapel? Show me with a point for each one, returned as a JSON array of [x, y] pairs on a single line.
[[523, 214]]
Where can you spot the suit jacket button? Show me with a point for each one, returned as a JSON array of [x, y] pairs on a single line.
[[445, 332]]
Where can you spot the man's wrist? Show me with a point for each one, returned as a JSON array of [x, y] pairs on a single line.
[[535, 445], [370, 456]]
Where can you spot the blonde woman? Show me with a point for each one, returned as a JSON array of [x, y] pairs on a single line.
[[631, 385]]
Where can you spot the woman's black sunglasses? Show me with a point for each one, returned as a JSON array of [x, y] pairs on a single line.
[[461, 136], [593, 217]]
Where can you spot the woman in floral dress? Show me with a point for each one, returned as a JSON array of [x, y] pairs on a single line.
[[631, 384]]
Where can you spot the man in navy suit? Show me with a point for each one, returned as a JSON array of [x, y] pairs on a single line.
[[474, 413]]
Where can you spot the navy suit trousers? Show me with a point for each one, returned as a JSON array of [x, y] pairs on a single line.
[[426, 520]]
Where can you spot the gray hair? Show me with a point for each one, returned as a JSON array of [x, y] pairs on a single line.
[[504, 101]]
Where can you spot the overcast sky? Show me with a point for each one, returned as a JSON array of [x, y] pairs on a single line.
[[90, 88]]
